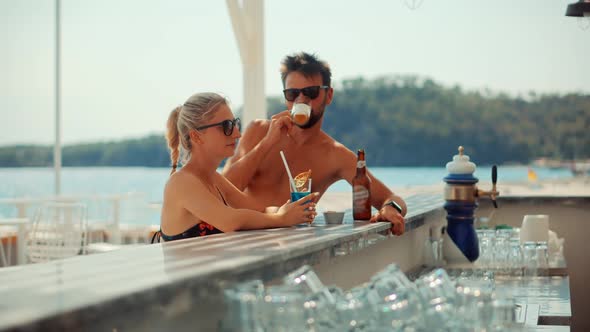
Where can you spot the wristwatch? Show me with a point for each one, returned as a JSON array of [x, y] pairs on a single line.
[[394, 205]]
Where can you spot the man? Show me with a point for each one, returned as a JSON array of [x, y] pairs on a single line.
[[257, 167]]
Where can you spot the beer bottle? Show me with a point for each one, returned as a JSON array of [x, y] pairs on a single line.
[[361, 190]]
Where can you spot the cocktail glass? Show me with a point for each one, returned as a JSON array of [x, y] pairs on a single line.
[[303, 189]]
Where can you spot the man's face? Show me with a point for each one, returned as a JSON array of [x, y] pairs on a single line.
[[296, 80]]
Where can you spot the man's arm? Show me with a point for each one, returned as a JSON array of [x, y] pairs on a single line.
[[241, 167], [256, 141], [380, 195]]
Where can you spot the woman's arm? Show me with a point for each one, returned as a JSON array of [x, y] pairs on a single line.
[[205, 206], [237, 198], [240, 200]]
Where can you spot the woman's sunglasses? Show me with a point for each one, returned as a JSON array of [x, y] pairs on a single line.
[[227, 125], [311, 91]]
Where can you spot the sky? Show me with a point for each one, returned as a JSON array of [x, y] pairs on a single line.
[[127, 64]]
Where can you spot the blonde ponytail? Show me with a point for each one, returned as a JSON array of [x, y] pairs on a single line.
[[172, 138], [195, 112]]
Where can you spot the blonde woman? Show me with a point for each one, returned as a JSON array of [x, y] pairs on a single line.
[[198, 200]]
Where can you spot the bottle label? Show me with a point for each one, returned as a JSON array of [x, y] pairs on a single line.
[[360, 195], [361, 164]]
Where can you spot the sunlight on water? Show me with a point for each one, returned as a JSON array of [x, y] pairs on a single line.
[[39, 183]]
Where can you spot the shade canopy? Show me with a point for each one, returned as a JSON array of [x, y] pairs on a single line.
[[577, 9]]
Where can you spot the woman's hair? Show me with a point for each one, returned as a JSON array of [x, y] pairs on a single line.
[[195, 112]]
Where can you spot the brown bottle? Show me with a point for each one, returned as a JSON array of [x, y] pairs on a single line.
[[361, 190]]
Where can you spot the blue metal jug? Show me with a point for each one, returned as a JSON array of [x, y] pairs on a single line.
[[461, 201]]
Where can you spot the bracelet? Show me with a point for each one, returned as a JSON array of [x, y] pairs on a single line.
[[394, 205]]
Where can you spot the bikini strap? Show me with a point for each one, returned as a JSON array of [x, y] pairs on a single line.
[[156, 236]]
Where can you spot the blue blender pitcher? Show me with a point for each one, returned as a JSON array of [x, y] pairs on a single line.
[[461, 201]]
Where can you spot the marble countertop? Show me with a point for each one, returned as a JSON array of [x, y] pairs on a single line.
[[119, 289]]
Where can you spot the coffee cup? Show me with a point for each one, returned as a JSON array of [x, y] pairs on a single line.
[[300, 113]]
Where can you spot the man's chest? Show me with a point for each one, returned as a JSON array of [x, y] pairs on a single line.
[[272, 169]]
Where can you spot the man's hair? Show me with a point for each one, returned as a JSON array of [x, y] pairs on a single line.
[[308, 65]]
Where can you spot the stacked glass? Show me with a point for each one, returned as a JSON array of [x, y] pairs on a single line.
[[501, 251], [389, 301]]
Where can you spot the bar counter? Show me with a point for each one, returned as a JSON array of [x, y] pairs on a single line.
[[177, 285]]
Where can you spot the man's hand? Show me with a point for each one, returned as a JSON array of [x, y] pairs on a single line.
[[280, 124], [388, 213]]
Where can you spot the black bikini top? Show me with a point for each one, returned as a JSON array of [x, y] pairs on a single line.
[[200, 229]]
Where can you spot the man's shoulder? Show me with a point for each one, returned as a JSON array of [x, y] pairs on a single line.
[[259, 124], [333, 145]]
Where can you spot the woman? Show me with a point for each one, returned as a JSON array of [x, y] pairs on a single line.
[[197, 199]]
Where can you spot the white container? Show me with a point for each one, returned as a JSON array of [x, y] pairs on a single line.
[[333, 217], [300, 113], [535, 227]]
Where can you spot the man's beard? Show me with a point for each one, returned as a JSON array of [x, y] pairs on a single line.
[[314, 117]]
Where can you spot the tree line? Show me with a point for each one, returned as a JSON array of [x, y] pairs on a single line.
[[399, 121]]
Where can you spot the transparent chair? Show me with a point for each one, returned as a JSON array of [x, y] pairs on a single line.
[[59, 230]]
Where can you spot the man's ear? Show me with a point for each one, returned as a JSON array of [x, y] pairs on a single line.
[[329, 95]]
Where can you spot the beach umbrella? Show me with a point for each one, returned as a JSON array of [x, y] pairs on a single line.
[[248, 24]]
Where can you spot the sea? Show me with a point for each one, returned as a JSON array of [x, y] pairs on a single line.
[[141, 185]]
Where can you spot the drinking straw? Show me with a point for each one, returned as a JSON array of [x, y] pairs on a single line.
[[291, 182]]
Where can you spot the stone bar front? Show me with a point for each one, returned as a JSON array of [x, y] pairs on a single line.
[[178, 285]]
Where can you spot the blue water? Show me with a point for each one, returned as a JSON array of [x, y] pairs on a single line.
[[295, 196], [39, 182]]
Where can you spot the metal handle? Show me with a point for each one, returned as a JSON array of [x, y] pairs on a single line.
[[494, 175], [494, 180]]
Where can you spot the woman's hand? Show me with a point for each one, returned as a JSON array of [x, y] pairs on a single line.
[[303, 210]]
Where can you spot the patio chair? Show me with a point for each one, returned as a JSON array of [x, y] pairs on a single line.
[[59, 230]]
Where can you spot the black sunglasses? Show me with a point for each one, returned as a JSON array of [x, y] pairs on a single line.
[[228, 126], [311, 91]]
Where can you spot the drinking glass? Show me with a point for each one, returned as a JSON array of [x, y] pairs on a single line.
[[300, 192], [504, 315], [307, 282], [530, 261], [515, 258], [284, 309], [474, 304], [486, 247], [354, 314], [399, 310], [437, 293], [393, 277], [542, 258], [244, 304]]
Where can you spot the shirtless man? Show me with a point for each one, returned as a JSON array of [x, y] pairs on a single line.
[[257, 167]]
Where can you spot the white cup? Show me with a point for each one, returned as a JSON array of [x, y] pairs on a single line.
[[300, 113], [535, 227]]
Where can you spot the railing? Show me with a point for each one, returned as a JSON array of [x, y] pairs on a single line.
[[114, 218]]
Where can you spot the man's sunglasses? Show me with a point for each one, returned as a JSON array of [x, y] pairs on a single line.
[[311, 91], [228, 126]]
